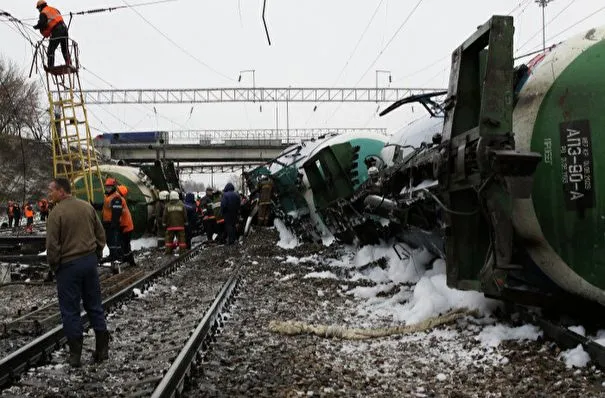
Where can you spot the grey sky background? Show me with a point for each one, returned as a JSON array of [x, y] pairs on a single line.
[[312, 41]]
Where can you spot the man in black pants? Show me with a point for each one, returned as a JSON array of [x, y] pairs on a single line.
[[51, 25]]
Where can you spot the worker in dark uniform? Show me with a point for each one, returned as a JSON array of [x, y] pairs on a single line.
[[230, 204], [28, 210], [17, 214], [208, 219], [126, 228], [175, 220], [10, 212], [74, 242], [51, 25], [191, 227]]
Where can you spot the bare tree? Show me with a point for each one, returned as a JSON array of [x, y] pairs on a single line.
[[193, 186], [21, 112]]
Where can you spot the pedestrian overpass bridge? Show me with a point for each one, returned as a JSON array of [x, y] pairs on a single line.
[[217, 146]]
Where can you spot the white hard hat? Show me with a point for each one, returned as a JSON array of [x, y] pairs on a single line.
[[163, 195], [174, 195], [373, 170]]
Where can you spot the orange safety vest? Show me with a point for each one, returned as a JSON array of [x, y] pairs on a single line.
[[54, 18], [29, 212], [126, 223]]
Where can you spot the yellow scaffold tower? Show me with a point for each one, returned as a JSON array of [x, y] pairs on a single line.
[[74, 156]]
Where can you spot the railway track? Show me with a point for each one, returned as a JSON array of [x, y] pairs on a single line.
[[43, 318], [39, 350]]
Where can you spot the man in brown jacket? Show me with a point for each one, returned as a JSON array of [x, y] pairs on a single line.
[[74, 241]]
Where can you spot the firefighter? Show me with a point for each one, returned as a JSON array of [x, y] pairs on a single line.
[[126, 228], [10, 212], [265, 188], [174, 220], [219, 221], [43, 208], [159, 213], [113, 207], [51, 25], [28, 211]]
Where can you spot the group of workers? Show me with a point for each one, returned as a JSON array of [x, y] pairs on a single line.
[[15, 212], [216, 213]]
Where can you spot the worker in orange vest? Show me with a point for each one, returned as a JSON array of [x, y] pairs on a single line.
[[113, 207], [126, 227], [28, 211], [51, 25]]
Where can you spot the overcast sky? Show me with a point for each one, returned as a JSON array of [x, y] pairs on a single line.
[[311, 43], [315, 43]]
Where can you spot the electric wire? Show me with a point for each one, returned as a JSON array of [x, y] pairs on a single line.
[[568, 28], [547, 23], [351, 56], [174, 43], [405, 21]]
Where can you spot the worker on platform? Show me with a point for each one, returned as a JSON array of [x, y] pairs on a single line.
[[175, 220], [10, 212], [159, 213], [230, 204], [43, 208], [74, 242], [113, 207], [126, 228], [28, 211], [51, 25]]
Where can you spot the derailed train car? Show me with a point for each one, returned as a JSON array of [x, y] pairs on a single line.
[[504, 183]]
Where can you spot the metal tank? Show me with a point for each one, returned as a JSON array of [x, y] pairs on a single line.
[[559, 114], [141, 197]]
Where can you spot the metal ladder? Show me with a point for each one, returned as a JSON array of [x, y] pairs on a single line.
[[74, 156]]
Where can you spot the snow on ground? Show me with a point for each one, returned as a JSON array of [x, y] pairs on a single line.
[[492, 336], [576, 357], [287, 240], [417, 291]]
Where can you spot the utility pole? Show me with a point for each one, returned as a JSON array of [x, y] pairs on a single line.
[[543, 4]]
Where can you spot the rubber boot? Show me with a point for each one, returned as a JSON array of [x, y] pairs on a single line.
[[75, 351], [102, 346]]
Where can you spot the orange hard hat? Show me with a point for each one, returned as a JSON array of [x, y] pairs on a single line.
[[123, 190], [110, 182], [40, 2]]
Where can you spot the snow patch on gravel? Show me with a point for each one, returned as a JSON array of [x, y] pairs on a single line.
[[287, 240], [575, 357], [492, 336]]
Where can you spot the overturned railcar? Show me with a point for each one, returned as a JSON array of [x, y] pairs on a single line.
[[508, 192]]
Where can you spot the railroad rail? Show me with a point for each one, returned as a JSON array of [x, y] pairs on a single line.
[[172, 384], [566, 338], [39, 350]]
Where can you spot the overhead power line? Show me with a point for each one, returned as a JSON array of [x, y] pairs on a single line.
[[204, 64], [548, 23], [390, 40]]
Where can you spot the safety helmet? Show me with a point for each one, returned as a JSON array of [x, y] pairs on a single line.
[[174, 195], [163, 195], [123, 190], [110, 182], [40, 3]]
